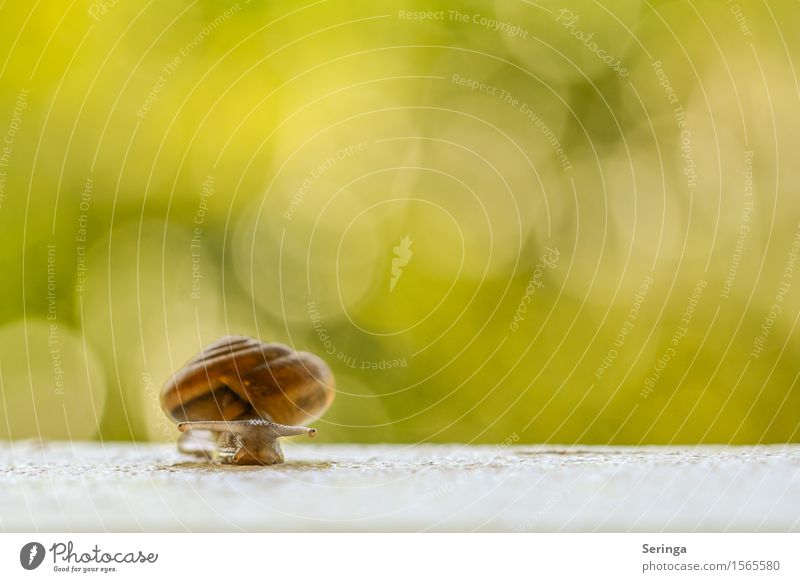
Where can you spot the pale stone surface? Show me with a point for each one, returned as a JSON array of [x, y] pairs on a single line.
[[136, 487]]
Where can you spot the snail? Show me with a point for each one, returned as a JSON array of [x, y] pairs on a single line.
[[248, 394]]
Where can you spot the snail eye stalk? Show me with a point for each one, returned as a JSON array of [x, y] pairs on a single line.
[[246, 442]]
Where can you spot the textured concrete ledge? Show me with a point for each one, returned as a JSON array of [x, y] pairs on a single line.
[[127, 487]]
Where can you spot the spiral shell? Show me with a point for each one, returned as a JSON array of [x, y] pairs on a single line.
[[240, 378]]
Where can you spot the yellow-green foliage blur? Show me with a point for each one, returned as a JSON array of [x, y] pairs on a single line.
[[510, 221]]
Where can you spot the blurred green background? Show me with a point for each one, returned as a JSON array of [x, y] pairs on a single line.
[[512, 221]]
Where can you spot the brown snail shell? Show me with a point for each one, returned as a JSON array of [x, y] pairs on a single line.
[[250, 393]]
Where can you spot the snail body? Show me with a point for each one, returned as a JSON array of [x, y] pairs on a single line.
[[248, 393]]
